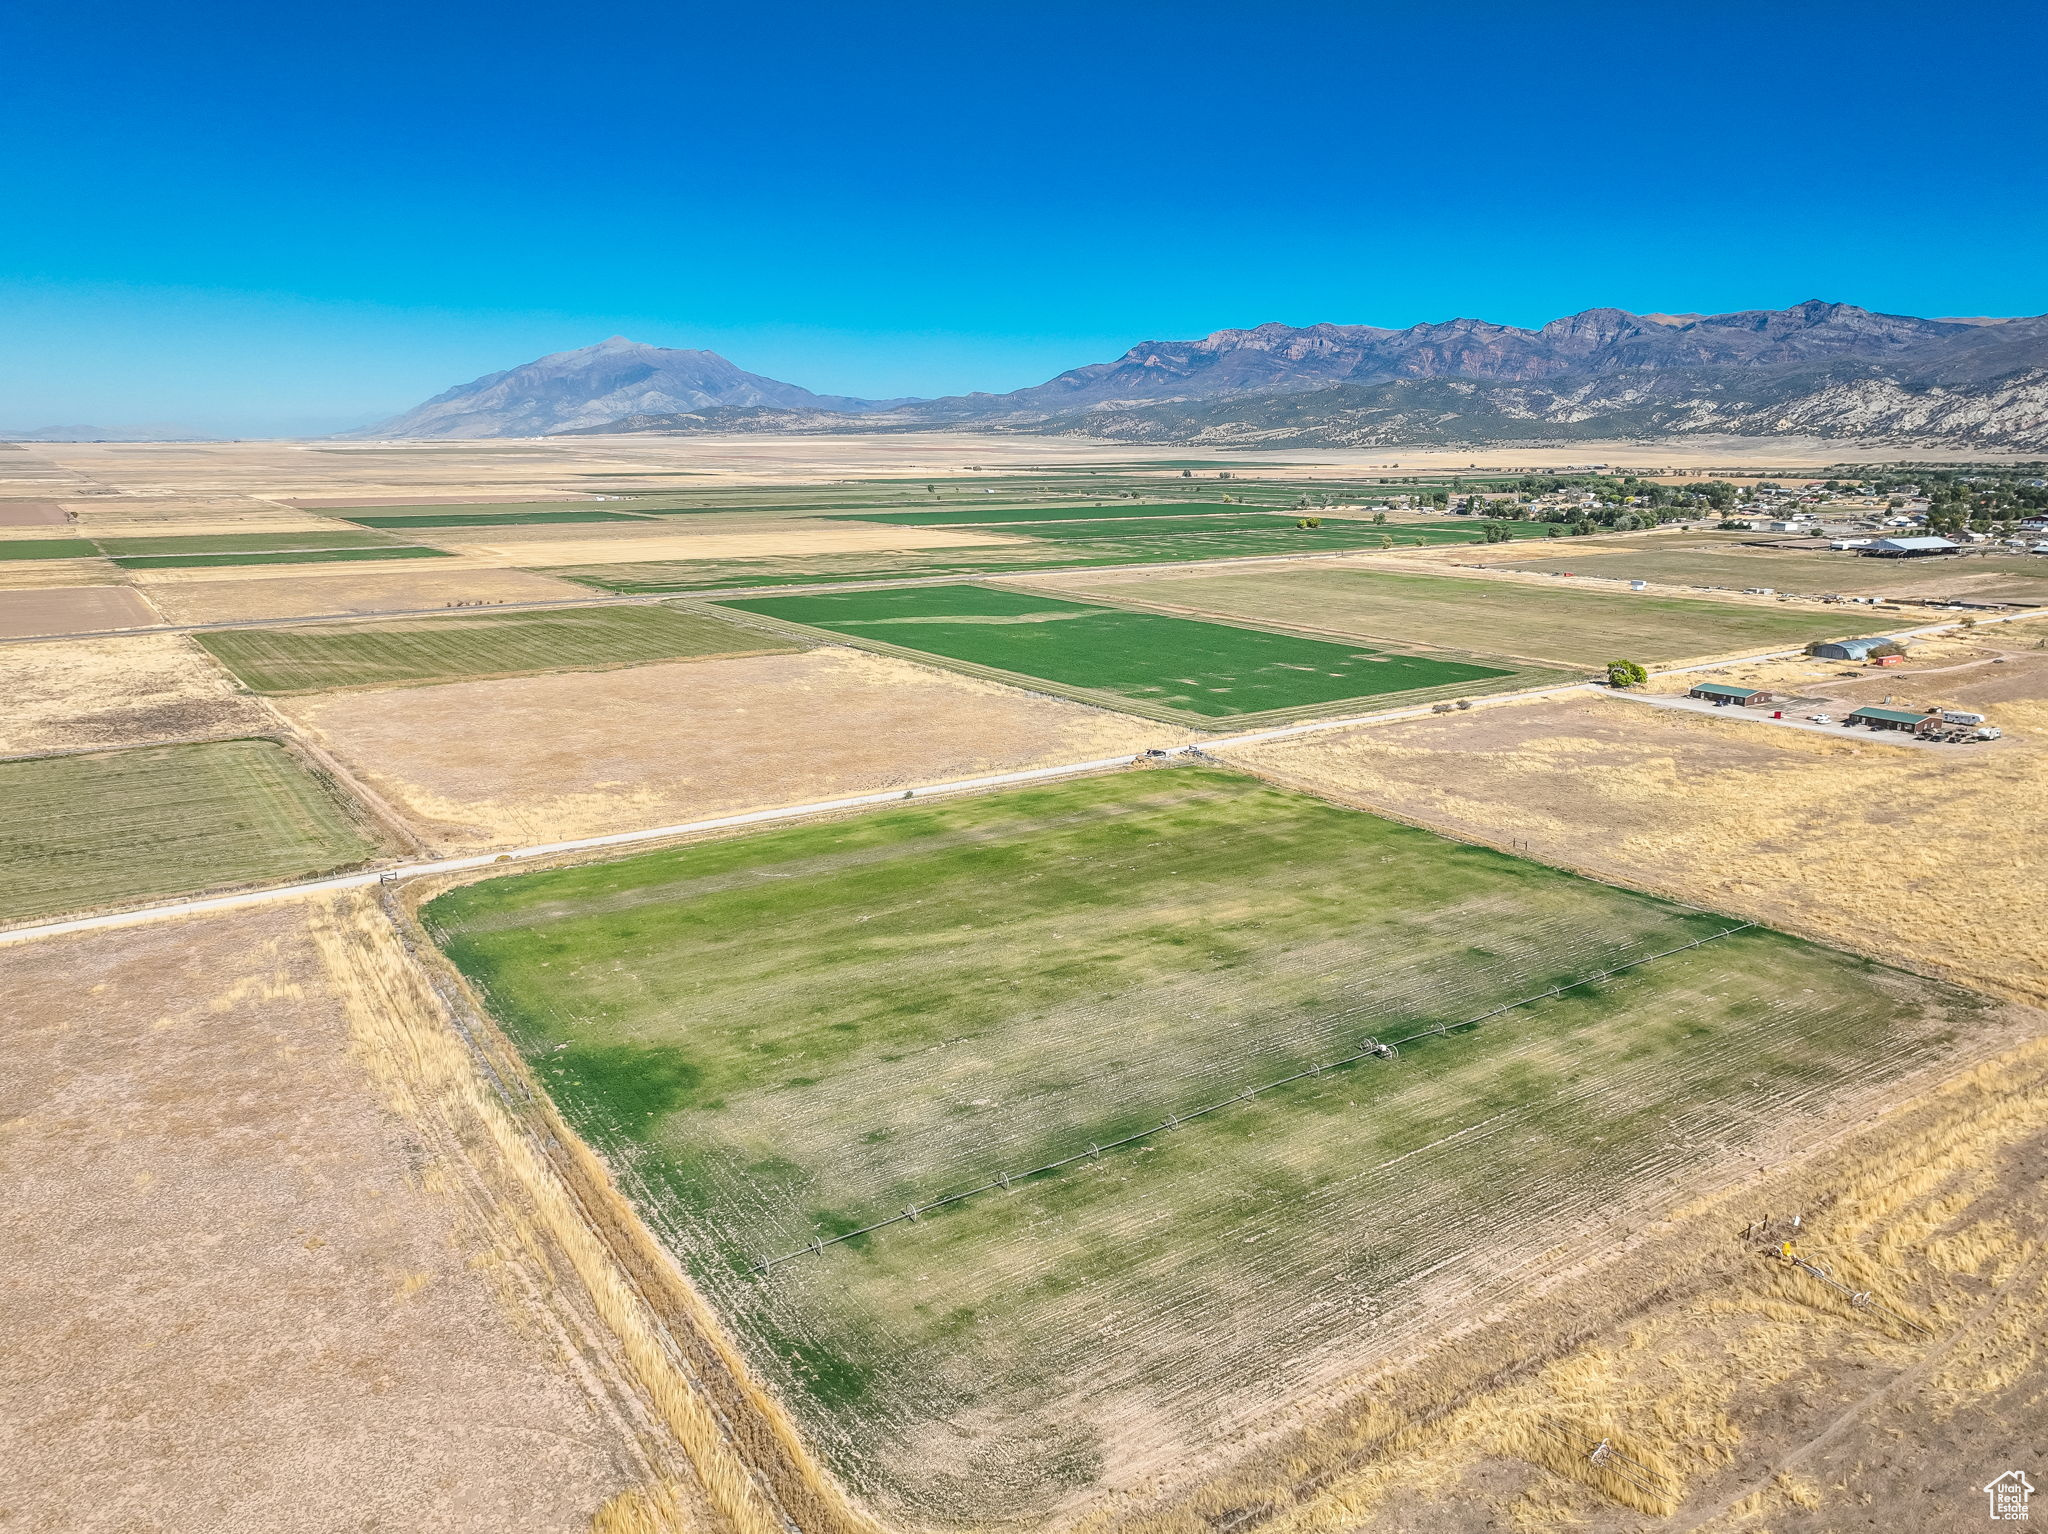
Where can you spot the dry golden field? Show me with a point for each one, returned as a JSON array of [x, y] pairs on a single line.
[[306, 591], [72, 610], [243, 1292], [489, 764], [69, 694]]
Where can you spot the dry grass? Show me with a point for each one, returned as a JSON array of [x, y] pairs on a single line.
[[501, 763], [1920, 855], [68, 694], [304, 591], [621, 543], [239, 1294]]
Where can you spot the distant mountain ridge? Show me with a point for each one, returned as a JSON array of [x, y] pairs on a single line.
[[597, 384], [1817, 368]]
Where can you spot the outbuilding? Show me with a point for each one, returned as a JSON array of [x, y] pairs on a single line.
[[1721, 695], [1907, 548], [1889, 718], [1848, 649]]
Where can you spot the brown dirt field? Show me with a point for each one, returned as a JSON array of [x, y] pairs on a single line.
[[322, 590], [240, 1295], [620, 543], [346, 502], [32, 514], [72, 610], [1918, 856], [117, 692], [545, 758]]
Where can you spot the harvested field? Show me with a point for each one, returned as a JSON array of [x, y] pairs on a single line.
[[316, 538], [69, 694], [1565, 627], [509, 518], [939, 516], [1165, 667], [153, 821], [479, 644], [491, 764], [1733, 567], [305, 592], [789, 536], [282, 557], [32, 514], [240, 1293], [29, 574], [1922, 855], [72, 610], [795, 1034]]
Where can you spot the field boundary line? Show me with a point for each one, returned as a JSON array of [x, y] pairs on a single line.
[[1373, 1048]]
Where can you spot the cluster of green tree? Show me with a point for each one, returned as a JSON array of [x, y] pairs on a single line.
[[1981, 502]]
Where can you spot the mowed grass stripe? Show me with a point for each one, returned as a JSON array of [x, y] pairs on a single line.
[[1211, 670], [281, 660], [78, 832], [279, 557], [793, 1033]]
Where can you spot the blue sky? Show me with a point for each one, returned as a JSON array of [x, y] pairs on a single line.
[[252, 217]]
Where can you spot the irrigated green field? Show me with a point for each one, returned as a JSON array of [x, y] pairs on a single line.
[[781, 1038], [1564, 626], [940, 517], [47, 548], [1172, 668], [111, 827], [474, 645]]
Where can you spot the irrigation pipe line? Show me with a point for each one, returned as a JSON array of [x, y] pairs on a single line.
[[1373, 1049], [401, 871]]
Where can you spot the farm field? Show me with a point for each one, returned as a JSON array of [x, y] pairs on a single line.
[[190, 596], [479, 765], [504, 518], [940, 517], [47, 548], [212, 1209], [151, 821], [279, 557], [1795, 570], [72, 610], [74, 693], [318, 538], [1567, 627], [475, 644], [1167, 667], [790, 1035]]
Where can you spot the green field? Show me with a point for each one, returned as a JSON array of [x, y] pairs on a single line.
[[245, 543], [48, 548], [1095, 543], [790, 1035], [280, 557], [489, 519], [1067, 513], [1567, 626], [113, 827], [1143, 662], [475, 645]]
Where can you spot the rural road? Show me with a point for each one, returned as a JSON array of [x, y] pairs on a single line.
[[427, 867]]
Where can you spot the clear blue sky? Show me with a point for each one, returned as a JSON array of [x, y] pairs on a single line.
[[253, 216]]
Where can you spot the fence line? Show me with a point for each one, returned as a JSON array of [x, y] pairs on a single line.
[[1372, 1049]]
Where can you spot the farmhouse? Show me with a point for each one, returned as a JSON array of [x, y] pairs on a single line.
[[1721, 695], [1907, 548], [1848, 649]]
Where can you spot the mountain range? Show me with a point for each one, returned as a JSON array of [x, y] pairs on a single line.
[[1815, 369]]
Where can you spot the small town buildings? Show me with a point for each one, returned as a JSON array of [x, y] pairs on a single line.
[[1721, 695], [1848, 649], [1907, 548]]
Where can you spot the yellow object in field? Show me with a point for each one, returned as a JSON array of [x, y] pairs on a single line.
[[1787, 1252]]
